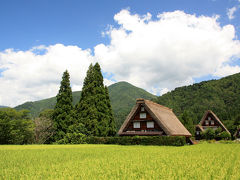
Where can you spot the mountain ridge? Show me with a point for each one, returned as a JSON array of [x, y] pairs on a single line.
[[222, 96], [122, 95]]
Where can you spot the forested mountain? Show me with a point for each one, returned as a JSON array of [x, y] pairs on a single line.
[[221, 96], [122, 95]]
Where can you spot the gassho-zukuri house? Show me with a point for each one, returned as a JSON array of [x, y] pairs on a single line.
[[151, 119], [209, 120]]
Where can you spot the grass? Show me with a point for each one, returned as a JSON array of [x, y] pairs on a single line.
[[203, 161]]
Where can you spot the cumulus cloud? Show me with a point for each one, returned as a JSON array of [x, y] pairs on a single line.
[[230, 12], [157, 55], [36, 73], [108, 82], [167, 52], [226, 70]]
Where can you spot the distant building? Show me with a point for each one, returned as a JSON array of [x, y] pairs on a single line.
[[209, 120], [151, 119], [237, 134]]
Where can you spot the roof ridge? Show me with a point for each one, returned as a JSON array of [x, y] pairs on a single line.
[[158, 104]]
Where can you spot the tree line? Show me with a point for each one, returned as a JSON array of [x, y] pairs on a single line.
[[91, 116]]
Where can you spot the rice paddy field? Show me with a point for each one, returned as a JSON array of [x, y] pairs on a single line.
[[202, 161]]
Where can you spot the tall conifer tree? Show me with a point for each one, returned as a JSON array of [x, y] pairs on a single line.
[[85, 110], [94, 108], [63, 108]]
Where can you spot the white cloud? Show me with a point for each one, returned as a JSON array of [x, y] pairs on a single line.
[[230, 12], [227, 70], [164, 91], [108, 82], [30, 76], [168, 52], [157, 55]]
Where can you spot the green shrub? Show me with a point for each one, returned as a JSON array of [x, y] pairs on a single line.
[[224, 136], [218, 131], [139, 140], [73, 138], [208, 134]]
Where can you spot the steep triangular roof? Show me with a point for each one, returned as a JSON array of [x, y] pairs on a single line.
[[200, 127], [162, 115], [215, 116]]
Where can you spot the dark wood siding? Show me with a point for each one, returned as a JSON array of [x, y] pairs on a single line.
[[216, 123], [143, 123]]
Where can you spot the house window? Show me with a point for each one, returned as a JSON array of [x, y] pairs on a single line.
[[209, 118], [206, 122], [212, 122], [150, 124], [142, 108], [197, 132], [143, 115], [136, 125]]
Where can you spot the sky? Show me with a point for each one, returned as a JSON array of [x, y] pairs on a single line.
[[152, 44]]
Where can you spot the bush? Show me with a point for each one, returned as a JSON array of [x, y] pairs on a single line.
[[218, 131], [73, 138], [139, 140], [224, 136], [208, 134]]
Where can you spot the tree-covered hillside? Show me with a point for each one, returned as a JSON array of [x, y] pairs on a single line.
[[38, 106], [122, 95], [221, 96]]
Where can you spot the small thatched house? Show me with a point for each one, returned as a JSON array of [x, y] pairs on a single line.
[[237, 134], [209, 120], [151, 119]]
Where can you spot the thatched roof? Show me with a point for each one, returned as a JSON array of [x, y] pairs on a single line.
[[200, 127], [215, 116], [162, 115]]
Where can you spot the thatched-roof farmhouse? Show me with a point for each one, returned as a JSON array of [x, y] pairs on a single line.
[[151, 119], [209, 120]]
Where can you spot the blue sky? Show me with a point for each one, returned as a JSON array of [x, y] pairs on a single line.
[[29, 23], [36, 36]]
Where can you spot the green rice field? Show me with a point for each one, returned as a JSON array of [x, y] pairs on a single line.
[[202, 161]]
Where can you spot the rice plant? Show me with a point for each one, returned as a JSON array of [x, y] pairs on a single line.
[[203, 161]]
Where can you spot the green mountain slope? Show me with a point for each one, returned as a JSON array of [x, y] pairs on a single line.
[[122, 95], [221, 96]]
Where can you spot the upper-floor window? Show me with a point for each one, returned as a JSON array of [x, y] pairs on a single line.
[[143, 115], [206, 122], [209, 118], [142, 108], [150, 124], [212, 122], [136, 125]]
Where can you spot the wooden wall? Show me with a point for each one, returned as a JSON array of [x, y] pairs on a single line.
[[143, 122]]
